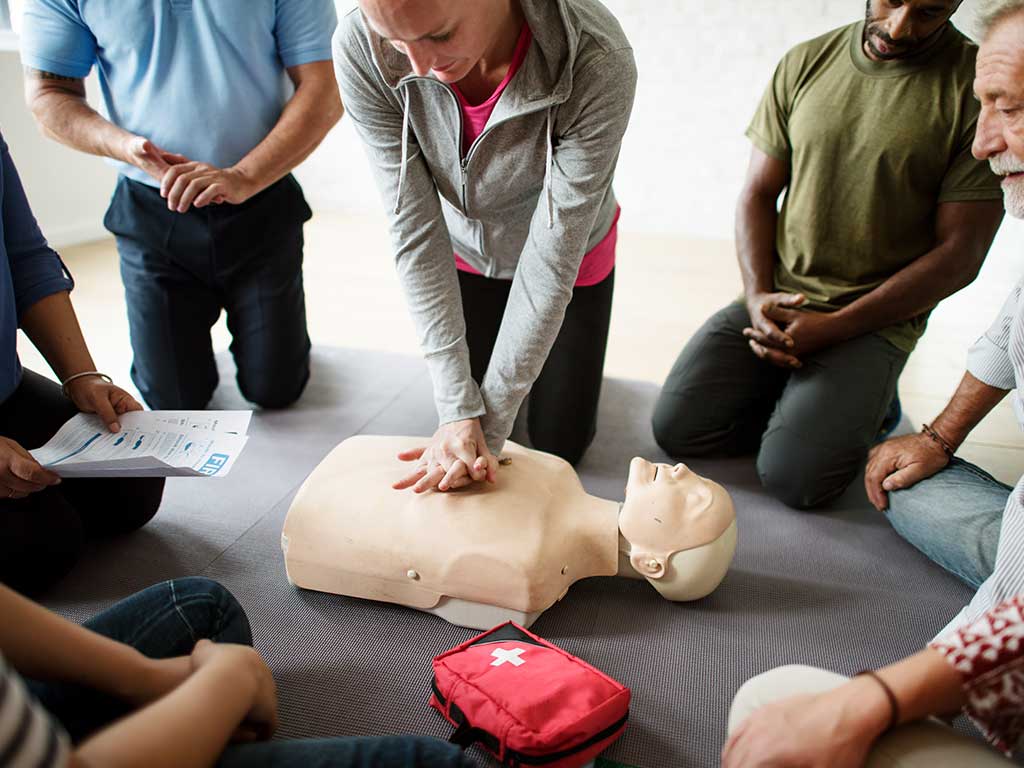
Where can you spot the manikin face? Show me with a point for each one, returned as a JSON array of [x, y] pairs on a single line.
[[999, 85], [444, 37], [669, 509], [896, 29]]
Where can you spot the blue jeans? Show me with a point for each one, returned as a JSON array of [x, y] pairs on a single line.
[[954, 518], [167, 620]]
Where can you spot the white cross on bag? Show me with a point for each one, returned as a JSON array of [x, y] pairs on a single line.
[[512, 657]]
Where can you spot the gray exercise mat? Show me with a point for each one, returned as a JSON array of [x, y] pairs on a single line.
[[836, 589]]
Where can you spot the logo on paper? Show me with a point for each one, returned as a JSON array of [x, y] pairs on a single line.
[[214, 464], [501, 656]]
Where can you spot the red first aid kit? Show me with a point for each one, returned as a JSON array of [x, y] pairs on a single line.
[[526, 701]]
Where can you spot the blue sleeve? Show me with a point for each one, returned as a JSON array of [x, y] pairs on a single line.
[[36, 269], [56, 39], [303, 29]]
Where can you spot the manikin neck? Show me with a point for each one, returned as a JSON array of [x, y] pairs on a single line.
[[597, 525]]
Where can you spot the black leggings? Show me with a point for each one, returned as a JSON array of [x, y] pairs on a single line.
[[562, 414], [41, 535]]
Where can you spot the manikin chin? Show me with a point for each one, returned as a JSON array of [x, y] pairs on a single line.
[[490, 553]]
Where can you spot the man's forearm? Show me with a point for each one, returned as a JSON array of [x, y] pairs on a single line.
[[756, 222], [971, 402], [59, 106], [52, 326], [312, 111]]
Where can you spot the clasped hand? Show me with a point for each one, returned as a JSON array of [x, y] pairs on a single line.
[[186, 183], [782, 333], [456, 456], [21, 474]]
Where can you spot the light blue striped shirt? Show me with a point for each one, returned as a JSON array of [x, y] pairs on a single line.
[[997, 359]]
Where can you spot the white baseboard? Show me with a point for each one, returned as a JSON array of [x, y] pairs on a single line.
[[74, 234]]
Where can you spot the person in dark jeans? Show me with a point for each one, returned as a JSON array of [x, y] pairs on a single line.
[[168, 677], [43, 520], [884, 214], [204, 132]]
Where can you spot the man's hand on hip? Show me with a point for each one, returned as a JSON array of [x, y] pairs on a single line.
[[900, 463], [192, 184]]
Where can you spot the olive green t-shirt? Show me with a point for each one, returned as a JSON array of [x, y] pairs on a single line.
[[873, 148]]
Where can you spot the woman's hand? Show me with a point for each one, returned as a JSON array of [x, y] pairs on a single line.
[[20, 473], [456, 456], [261, 720], [92, 394], [835, 729]]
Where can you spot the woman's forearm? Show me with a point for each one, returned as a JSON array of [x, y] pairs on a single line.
[[53, 328], [44, 646], [187, 728]]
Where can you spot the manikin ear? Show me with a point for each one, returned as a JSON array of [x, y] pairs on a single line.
[[647, 565]]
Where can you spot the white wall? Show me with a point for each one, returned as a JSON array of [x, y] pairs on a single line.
[[69, 191], [703, 66]]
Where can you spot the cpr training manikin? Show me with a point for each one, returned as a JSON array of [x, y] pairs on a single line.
[[505, 551]]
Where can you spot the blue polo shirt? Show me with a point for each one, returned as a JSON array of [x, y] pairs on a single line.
[[29, 268], [203, 78]]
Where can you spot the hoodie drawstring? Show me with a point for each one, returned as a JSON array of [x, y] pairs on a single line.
[[547, 170], [405, 149]]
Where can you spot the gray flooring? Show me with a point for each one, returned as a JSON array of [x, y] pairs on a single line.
[[836, 589]]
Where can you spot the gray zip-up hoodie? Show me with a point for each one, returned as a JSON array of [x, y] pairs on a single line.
[[530, 198]]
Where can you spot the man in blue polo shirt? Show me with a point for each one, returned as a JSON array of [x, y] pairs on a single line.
[[204, 127]]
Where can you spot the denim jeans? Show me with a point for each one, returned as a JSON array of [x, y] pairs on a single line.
[[954, 518], [167, 620]]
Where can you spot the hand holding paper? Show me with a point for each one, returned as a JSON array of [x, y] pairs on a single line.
[[149, 444]]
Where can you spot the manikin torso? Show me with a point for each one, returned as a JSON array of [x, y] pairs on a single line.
[[494, 552]]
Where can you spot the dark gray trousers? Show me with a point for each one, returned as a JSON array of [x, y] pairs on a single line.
[[811, 427]]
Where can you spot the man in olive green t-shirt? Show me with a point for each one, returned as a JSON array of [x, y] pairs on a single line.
[[868, 131]]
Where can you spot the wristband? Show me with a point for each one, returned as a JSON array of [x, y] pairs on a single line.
[[894, 707], [927, 429], [69, 379]]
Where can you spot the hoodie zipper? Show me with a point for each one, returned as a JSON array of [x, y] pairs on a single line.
[[464, 161]]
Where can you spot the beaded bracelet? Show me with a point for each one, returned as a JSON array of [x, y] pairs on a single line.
[[69, 379], [894, 706], [927, 429]]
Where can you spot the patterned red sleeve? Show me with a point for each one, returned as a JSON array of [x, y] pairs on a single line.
[[989, 653]]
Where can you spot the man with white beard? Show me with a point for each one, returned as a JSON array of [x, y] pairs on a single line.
[[800, 716], [948, 508]]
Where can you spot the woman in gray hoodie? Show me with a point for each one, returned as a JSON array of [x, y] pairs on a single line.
[[493, 128]]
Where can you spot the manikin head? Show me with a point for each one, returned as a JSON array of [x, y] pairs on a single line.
[[678, 529], [999, 85], [446, 38], [896, 29]]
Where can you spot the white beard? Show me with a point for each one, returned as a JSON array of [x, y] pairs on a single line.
[[1013, 191]]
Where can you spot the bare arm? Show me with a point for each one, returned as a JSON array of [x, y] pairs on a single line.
[[757, 217], [53, 327], [904, 461], [63, 114], [44, 646], [190, 726], [312, 111], [837, 728]]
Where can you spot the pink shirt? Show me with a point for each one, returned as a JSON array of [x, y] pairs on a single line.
[[600, 261]]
